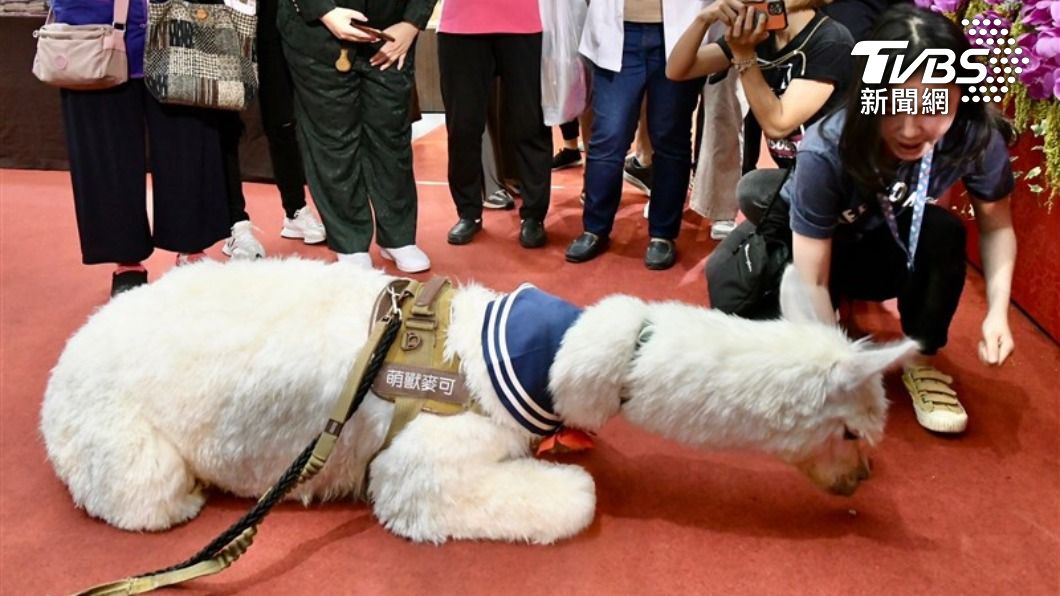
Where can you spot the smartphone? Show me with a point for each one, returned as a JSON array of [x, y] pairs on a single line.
[[775, 11], [386, 36]]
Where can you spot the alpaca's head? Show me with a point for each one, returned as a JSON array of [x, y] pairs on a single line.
[[853, 408], [797, 388]]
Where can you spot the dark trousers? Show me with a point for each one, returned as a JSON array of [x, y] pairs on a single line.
[[109, 135], [276, 102], [468, 65], [616, 104], [873, 266], [356, 141]]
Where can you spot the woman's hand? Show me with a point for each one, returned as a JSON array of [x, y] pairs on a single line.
[[997, 344], [394, 51], [726, 11], [745, 33], [338, 22]]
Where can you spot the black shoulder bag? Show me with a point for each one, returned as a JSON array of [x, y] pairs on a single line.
[[744, 271]]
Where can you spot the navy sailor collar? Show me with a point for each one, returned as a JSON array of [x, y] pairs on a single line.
[[521, 333]]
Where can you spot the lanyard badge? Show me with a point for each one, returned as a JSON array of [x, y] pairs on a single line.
[[923, 176]]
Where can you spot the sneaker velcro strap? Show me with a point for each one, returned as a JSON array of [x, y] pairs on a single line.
[[936, 393], [928, 372], [933, 386]]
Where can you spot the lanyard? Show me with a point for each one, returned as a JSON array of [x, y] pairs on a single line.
[[923, 175]]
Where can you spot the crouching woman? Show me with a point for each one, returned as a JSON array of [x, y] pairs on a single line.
[[861, 213]]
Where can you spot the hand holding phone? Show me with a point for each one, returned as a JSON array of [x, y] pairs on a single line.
[[776, 13]]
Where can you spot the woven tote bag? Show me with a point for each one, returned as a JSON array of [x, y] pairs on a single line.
[[202, 54]]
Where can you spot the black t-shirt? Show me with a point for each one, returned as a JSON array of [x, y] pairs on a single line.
[[820, 52]]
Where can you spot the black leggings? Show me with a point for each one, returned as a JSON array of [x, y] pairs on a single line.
[[873, 266]]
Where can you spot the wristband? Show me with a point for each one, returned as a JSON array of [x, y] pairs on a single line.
[[743, 65]]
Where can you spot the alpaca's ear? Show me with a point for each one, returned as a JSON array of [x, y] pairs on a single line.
[[860, 366], [796, 302]]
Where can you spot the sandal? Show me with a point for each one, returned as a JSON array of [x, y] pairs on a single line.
[[935, 402]]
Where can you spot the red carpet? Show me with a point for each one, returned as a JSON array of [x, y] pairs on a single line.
[[978, 514]]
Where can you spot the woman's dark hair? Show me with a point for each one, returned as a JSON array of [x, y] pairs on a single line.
[[972, 127]]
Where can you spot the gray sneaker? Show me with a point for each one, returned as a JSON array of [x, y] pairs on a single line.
[[499, 200]]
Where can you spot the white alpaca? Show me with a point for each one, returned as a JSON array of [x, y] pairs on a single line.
[[220, 374]]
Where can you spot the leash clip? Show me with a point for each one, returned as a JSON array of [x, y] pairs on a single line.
[[395, 304]]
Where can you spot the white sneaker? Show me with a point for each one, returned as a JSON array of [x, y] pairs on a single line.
[[304, 225], [242, 244], [720, 229], [409, 259], [361, 259]]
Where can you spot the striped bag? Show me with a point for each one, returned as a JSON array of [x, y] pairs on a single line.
[[202, 54]]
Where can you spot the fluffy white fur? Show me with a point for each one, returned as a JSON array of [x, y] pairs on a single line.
[[219, 374]]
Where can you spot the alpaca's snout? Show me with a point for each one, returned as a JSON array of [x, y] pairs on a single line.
[[846, 484]]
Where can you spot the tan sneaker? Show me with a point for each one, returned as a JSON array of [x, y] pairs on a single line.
[[935, 402]]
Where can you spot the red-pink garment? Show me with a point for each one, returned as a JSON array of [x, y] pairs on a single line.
[[490, 16]]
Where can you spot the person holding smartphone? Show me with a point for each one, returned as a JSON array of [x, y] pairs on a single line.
[[792, 75], [352, 69], [860, 216]]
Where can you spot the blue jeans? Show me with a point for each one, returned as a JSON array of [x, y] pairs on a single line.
[[616, 108]]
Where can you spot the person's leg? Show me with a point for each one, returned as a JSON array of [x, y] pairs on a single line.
[[927, 304], [643, 146], [188, 176], [570, 155], [231, 129], [497, 193], [670, 107], [756, 189], [616, 101], [330, 135], [569, 131], [105, 142], [874, 268], [276, 99], [929, 300], [241, 243], [637, 169], [519, 65], [387, 155], [714, 194], [467, 66]]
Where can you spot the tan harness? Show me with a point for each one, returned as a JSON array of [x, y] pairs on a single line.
[[416, 376]]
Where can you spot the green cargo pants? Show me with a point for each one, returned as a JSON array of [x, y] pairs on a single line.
[[356, 142]]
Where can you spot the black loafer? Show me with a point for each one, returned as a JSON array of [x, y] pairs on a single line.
[[464, 230], [125, 281], [661, 254], [585, 247], [532, 234]]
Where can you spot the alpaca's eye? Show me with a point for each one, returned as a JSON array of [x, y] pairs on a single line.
[[848, 435]]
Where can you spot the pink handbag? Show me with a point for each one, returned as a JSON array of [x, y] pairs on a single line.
[[83, 56]]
